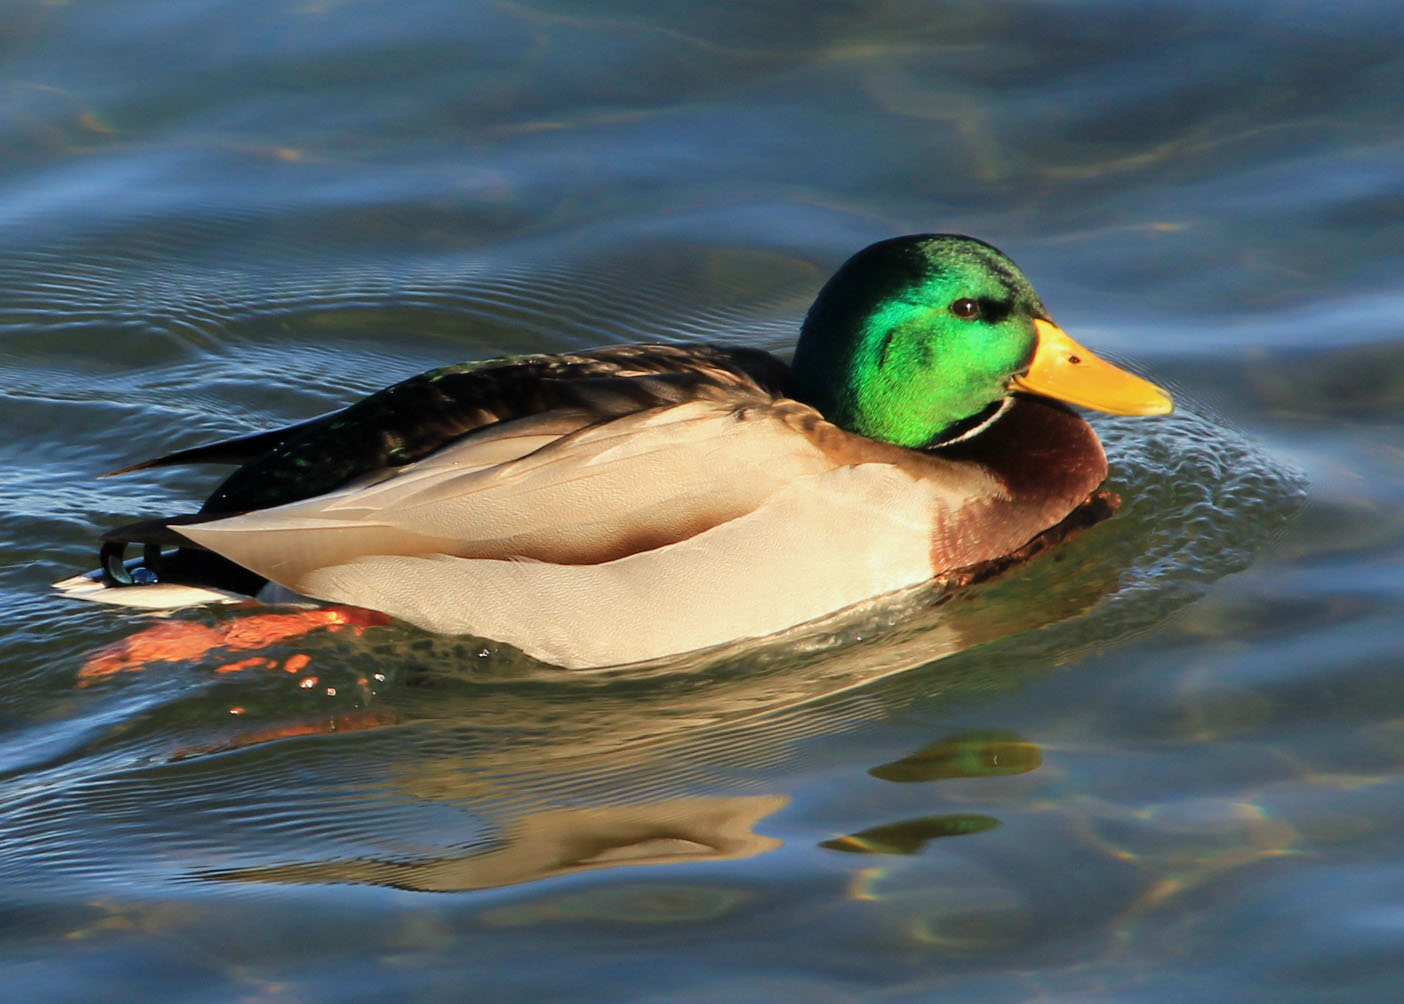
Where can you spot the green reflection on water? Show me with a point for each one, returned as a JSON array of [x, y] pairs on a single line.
[[990, 753], [910, 835]]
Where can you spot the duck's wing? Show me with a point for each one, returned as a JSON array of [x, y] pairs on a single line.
[[412, 419], [561, 488]]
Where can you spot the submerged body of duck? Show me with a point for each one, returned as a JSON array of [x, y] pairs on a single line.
[[636, 502]]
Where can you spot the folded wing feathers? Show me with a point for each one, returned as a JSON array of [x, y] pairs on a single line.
[[779, 565], [590, 495]]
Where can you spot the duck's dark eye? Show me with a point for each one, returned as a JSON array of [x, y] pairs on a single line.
[[966, 309]]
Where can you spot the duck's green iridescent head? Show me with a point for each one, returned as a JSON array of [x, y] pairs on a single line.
[[916, 338]]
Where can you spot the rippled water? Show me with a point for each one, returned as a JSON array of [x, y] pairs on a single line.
[[1163, 762]]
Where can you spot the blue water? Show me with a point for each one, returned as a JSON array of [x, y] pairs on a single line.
[[1162, 764]]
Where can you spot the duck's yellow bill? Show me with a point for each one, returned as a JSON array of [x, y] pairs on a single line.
[[1063, 369]]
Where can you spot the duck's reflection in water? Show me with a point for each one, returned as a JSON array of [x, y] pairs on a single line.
[[557, 842]]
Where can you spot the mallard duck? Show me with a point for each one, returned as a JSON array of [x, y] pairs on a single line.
[[630, 503]]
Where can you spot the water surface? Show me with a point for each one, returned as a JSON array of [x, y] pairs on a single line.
[[1163, 763]]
